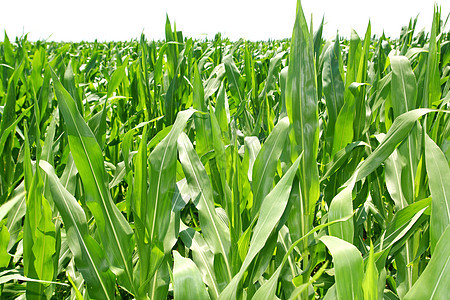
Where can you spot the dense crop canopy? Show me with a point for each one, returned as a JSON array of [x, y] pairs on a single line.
[[188, 169]]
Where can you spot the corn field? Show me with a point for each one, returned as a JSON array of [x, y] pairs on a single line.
[[209, 169]]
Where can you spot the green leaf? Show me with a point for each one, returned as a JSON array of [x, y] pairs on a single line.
[[115, 231], [360, 82], [14, 221], [69, 84], [222, 111], [396, 134], [403, 98], [116, 78], [265, 165], [438, 173], [233, 76], [14, 274], [403, 85], [341, 206], [348, 268], [339, 158], [269, 287], [187, 280], [370, 281], [202, 124], [7, 128], [220, 158], [333, 89], [215, 231], [162, 161], [6, 133], [202, 256], [431, 86], [302, 110], [7, 207], [400, 227], [4, 241], [272, 209], [44, 244], [393, 177], [343, 132], [302, 288], [89, 258], [433, 283]]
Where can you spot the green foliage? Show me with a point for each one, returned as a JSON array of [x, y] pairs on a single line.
[[210, 169]]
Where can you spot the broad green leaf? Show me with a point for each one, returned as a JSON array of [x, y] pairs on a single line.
[[4, 241], [6, 133], [272, 209], [370, 281], [7, 207], [343, 132], [273, 65], [14, 221], [233, 77], [341, 206], [162, 174], [302, 110], [187, 280], [89, 258], [348, 268], [44, 244], [203, 258], [339, 158], [361, 77], [403, 98], [403, 85], [438, 173], [115, 231], [14, 274], [265, 165], [220, 158], [333, 88], [431, 88], [116, 78], [202, 124], [393, 177], [433, 283], [139, 207], [68, 81], [140, 184], [214, 230], [159, 288], [214, 81], [302, 288], [6, 137], [39, 232], [269, 287], [252, 148], [396, 134], [400, 226], [222, 110]]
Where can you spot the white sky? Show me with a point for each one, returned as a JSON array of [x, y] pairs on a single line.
[[64, 20]]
